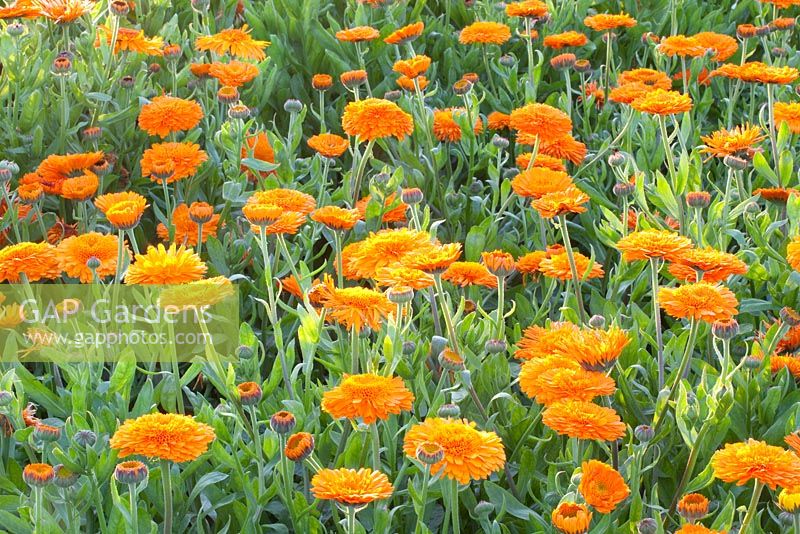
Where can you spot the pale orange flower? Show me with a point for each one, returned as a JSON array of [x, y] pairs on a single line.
[[173, 437], [367, 396]]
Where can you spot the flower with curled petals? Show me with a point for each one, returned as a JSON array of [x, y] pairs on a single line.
[[540, 121], [756, 460], [690, 528], [595, 349], [286, 199], [164, 266], [166, 114], [523, 161], [173, 437], [184, 159], [661, 102], [403, 277], [336, 218], [564, 147], [653, 79], [564, 383], [627, 93], [584, 420], [701, 301], [557, 203], [603, 22], [406, 34], [557, 41], [185, 229], [653, 244], [412, 67], [350, 487], [328, 144], [358, 34], [75, 252], [469, 453], [384, 248], [557, 266], [130, 40], [541, 342], [738, 141], [724, 46], [234, 41], [682, 46], [571, 518], [373, 118], [34, 261], [713, 265], [481, 32], [434, 260], [539, 181], [469, 273], [234, 73], [601, 486], [757, 72], [356, 307], [788, 112], [367, 396], [527, 9]]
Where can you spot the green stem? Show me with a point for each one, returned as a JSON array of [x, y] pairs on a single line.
[[376, 446], [134, 508], [446, 313], [657, 321], [753, 508], [454, 508], [362, 165], [426, 479], [166, 482], [576, 281], [260, 450], [685, 360]]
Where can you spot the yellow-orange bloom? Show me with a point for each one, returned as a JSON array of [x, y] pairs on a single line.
[[350, 487], [485, 33], [374, 118], [584, 420], [557, 266], [368, 396], [594, 348], [469, 453], [757, 72], [34, 261], [661, 102], [164, 115], [571, 518], [412, 67], [129, 40], [385, 248], [680, 45], [564, 147], [541, 122], [162, 266], [183, 158], [601, 486], [56, 168], [793, 253], [714, 265], [736, 142], [287, 199], [403, 277], [234, 73], [723, 45], [527, 8], [693, 507], [328, 144], [537, 182], [649, 244], [335, 217], [186, 228], [756, 460], [80, 187], [701, 301], [75, 252], [557, 41], [564, 383], [63, 11], [467, 273], [788, 112], [445, 127], [541, 342], [356, 307], [653, 79], [606, 22], [234, 41], [569, 200], [435, 259], [173, 437], [406, 34], [358, 34]]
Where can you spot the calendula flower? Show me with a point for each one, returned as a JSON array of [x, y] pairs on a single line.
[[571, 518], [434, 259], [162, 266], [328, 144], [34, 261], [63, 11], [680, 45], [385, 248], [469, 453], [649, 244], [468, 273], [540, 342], [653, 79], [595, 349], [564, 147], [527, 8], [196, 295], [693, 507], [723, 45], [287, 199], [557, 383], [755, 460], [523, 161], [445, 127], [234, 41], [130, 40], [407, 84], [80, 187], [38, 475], [485, 33], [557, 41], [736, 142], [406, 34], [350, 487], [394, 209], [793, 253], [173, 437], [403, 277], [185, 229], [584, 420], [788, 112], [782, 4], [701, 301], [625, 94], [601, 486], [557, 266], [55, 169], [164, 115], [661, 102], [537, 182], [356, 307], [412, 67], [374, 118], [497, 120], [335, 217], [259, 148], [569, 200], [358, 34], [234, 73], [299, 446], [757, 72], [714, 265], [541, 122], [184, 159], [367, 396], [606, 22], [75, 252], [19, 9], [698, 529]]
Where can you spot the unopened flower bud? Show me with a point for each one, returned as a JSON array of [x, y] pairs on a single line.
[[449, 411], [644, 433], [495, 346], [698, 199], [725, 329], [597, 321], [292, 106]]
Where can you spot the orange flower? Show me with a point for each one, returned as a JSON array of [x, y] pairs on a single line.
[[356, 307], [693, 507], [129, 40], [258, 148], [558, 41], [653, 79], [445, 127], [497, 120], [584, 420], [167, 114], [714, 265], [395, 210], [36, 261], [358, 34], [649, 244], [541, 342], [606, 22], [162, 266], [498, 262], [350, 487], [595, 349], [288, 223], [19, 9], [335, 217], [406, 34], [569, 200], [321, 82], [233, 74], [435, 259], [689, 528], [723, 45], [564, 147], [412, 67], [530, 262], [541, 122], [403, 277], [234, 41], [680, 45], [467, 273], [30, 193], [63, 11], [559, 383], [788, 112], [701, 301], [353, 78], [485, 33], [782, 4], [374, 118], [793, 253], [755, 460], [328, 145], [299, 446], [757, 72], [385, 248], [469, 453], [601, 486], [184, 158], [56, 168], [571, 518], [368, 396], [542, 160], [737, 142], [38, 475], [74, 253], [527, 8], [186, 228], [407, 84], [80, 187], [661, 102], [557, 266], [287, 199], [537, 182], [626, 94], [173, 437]]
